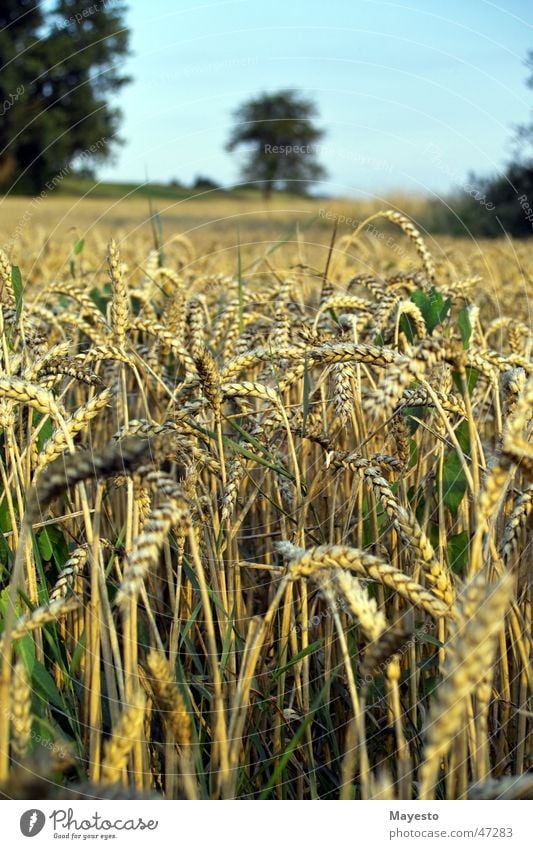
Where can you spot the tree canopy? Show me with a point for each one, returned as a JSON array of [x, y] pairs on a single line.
[[59, 68], [280, 137]]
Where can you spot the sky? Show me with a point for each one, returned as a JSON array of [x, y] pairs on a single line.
[[412, 95]]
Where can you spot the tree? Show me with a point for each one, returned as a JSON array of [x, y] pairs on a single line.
[[59, 68], [524, 134], [494, 204], [20, 24], [281, 138], [500, 204], [202, 183], [504, 202]]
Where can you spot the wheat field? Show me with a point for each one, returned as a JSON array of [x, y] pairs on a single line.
[[265, 514]]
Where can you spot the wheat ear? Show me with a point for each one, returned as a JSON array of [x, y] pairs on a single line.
[[168, 698], [126, 733], [21, 720], [307, 563], [119, 304]]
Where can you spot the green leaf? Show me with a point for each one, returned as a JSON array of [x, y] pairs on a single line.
[[45, 434], [5, 518], [77, 655], [465, 327], [413, 453], [25, 648], [429, 685], [78, 246], [412, 413], [42, 734], [101, 302], [472, 375], [46, 430], [454, 483], [240, 449], [433, 307], [45, 545], [433, 534], [6, 555], [423, 637], [52, 545], [408, 328], [294, 743], [457, 550], [4, 598], [227, 643], [297, 658], [463, 436], [16, 282], [45, 686]]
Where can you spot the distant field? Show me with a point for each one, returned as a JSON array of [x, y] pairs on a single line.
[[199, 216], [121, 206], [291, 229]]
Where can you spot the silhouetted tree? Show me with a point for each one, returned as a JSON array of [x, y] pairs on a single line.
[[202, 183], [59, 67], [280, 136], [504, 202]]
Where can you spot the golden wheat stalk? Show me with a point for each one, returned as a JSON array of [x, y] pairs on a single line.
[[469, 652], [126, 733]]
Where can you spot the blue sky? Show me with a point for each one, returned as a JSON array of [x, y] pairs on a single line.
[[412, 95]]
